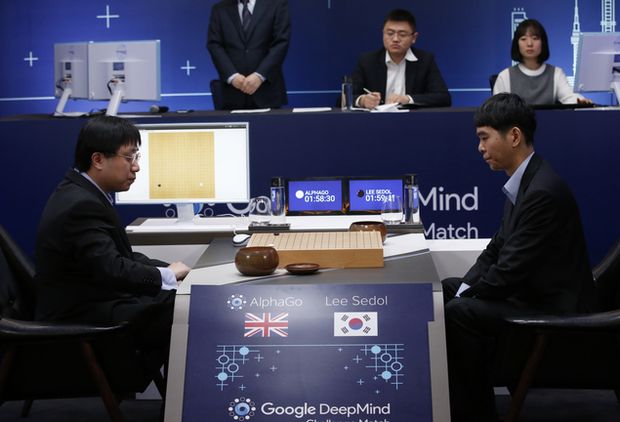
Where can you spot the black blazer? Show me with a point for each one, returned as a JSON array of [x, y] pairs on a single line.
[[538, 257], [262, 49], [84, 262], [423, 81]]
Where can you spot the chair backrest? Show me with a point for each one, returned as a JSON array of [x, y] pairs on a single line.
[[607, 277], [492, 79], [17, 288], [216, 94]]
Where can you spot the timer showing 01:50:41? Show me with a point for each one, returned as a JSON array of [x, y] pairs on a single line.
[[379, 198]]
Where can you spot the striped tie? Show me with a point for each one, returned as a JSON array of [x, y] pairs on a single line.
[[246, 16]]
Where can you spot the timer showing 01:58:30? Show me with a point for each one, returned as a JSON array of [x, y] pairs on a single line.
[[319, 198]]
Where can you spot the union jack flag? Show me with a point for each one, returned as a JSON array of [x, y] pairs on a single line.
[[266, 325]]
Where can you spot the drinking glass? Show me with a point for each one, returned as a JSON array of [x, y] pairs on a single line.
[[392, 210], [260, 211]]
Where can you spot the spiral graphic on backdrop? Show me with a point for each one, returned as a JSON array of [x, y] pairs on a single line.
[[241, 409], [205, 210]]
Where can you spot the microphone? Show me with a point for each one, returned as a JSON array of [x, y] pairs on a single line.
[[158, 109]]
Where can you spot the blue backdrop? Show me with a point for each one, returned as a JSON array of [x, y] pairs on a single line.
[[470, 39]]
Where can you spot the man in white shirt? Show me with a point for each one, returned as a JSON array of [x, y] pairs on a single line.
[[399, 73]]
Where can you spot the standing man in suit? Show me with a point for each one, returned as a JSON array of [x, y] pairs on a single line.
[[248, 41], [537, 261], [86, 271], [399, 73]]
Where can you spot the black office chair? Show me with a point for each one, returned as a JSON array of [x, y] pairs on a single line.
[[40, 360], [216, 94], [492, 80], [576, 352]]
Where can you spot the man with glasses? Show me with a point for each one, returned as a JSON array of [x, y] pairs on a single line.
[[399, 73], [86, 271]]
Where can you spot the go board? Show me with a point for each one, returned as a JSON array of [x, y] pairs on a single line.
[[353, 249]]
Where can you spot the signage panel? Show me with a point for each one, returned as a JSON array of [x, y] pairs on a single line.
[[312, 353]]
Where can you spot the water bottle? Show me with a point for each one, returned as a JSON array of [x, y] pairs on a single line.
[[346, 94], [277, 201], [412, 199]]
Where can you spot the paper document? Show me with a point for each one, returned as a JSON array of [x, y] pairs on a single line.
[[388, 108], [253, 110], [310, 109], [139, 116]]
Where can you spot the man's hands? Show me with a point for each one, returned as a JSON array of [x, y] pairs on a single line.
[[584, 101], [247, 84], [370, 101], [395, 98], [179, 269]]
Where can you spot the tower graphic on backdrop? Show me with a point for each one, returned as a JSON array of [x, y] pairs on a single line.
[[608, 16], [574, 40], [516, 17], [608, 24]]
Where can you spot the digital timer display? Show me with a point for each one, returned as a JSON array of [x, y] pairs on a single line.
[[315, 195], [370, 194]]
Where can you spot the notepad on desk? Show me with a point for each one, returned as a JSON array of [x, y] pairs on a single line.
[[251, 110], [311, 109], [388, 108]]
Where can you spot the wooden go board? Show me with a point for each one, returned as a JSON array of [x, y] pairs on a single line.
[[356, 249]]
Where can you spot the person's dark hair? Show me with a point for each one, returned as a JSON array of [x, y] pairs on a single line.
[[504, 111], [104, 134], [401, 15], [535, 28]]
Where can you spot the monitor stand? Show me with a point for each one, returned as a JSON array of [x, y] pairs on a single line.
[[118, 92], [615, 86], [62, 102], [185, 213]]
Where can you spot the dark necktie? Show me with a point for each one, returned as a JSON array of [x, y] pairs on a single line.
[[246, 16]]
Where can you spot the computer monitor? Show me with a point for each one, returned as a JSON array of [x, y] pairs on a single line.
[[70, 73], [598, 63], [320, 195], [190, 163], [367, 194], [123, 71]]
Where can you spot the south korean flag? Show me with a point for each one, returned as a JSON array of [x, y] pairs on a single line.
[[356, 324]]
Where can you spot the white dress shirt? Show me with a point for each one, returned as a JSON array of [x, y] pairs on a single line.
[[396, 76]]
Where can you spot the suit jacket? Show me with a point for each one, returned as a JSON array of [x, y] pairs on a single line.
[[423, 81], [84, 263], [262, 49], [538, 256]]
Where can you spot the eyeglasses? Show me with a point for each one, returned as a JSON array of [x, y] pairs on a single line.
[[131, 159], [399, 34]]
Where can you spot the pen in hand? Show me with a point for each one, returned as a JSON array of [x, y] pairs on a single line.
[[372, 100]]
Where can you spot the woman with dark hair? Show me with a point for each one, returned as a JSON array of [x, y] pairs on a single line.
[[532, 79]]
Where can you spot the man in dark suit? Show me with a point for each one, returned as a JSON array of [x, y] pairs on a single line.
[[248, 41], [399, 73], [537, 261], [86, 270]]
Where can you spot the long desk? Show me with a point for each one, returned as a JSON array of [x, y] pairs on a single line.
[[461, 196], [168, 231], [408, 260]]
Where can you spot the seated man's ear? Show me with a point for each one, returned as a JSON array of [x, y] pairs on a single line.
[[96, 160], [516, 136]]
